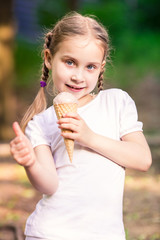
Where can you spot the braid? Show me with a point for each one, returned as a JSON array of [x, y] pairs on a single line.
[[45, 70], [48, 39], [45, 73], [100, 81]]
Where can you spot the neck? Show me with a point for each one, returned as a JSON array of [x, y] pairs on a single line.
[[85, 99]]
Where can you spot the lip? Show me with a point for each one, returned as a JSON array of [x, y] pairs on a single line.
[[74, 88]]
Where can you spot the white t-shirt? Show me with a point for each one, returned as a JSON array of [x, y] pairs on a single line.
[[88, 202]]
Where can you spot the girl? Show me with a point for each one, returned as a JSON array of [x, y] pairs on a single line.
[[81, 200]]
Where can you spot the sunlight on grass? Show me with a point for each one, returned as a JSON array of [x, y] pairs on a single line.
[[12, 216], [133, 216], [28, 193], [21, 175], [155, 236], [11, 203], [14, 172], [143, 182], [143, 236]]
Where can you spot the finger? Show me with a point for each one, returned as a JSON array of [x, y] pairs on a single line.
[[70, 135], [19, 155], [24, 160], [19, 145], [17, 129], [68, 126], [72, 115], [67, 121], [22, 153], [15, 142]]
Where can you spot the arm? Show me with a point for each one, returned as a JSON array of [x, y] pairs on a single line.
[[38, 163], [42, 174], [131, 152]]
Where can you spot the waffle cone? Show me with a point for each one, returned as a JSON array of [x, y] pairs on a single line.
[[60, 110]]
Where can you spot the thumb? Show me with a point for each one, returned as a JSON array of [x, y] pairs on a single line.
[[17, 129]]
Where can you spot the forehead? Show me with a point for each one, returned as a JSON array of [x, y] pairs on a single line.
[[84, 47]]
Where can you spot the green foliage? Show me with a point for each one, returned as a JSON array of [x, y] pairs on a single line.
[[27, 63], [113, 15], [136, 56], [147, 14], [50, 12], [137, 14]]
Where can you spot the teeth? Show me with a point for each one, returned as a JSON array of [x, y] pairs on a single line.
[[73, 87]]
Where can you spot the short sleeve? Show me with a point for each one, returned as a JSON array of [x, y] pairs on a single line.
[[35, 132], [128, 116]]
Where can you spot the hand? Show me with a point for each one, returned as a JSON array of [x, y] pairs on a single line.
[[21, 148], [79, 129]]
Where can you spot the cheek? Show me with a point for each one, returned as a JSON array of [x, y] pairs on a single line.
[[93, 78], [63, 72], [58, 74]]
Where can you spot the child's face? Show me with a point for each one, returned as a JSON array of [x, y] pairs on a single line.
[[77, 65]]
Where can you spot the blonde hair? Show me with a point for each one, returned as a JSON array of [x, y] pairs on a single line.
[[70, 25]]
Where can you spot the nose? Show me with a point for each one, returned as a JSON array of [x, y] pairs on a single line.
[[78, 76]]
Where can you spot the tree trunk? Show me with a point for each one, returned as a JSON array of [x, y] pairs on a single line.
[[7, 33]]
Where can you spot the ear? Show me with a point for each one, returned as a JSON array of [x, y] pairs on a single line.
[[103, 64], [47, 58]]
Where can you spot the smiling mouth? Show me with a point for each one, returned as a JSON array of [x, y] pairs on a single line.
[[74, 87]]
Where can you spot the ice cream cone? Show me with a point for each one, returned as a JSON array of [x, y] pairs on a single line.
[[60, 110]]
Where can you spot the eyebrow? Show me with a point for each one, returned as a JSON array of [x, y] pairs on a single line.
[[68, 56]]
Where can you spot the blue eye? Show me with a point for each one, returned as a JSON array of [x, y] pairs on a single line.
[[90, 67], [69, 62]]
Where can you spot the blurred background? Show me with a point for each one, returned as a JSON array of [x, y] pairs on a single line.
[[134, 29]]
